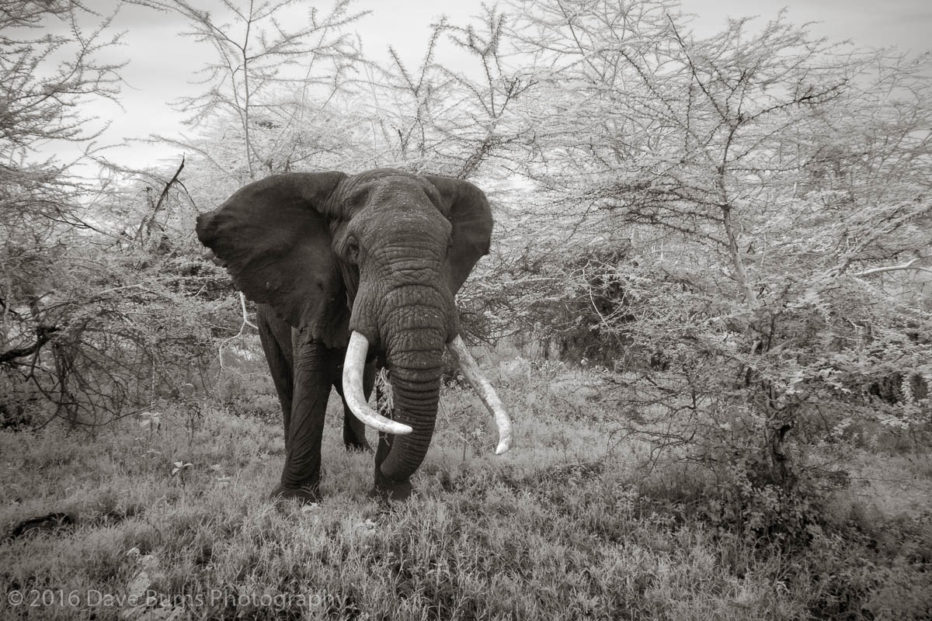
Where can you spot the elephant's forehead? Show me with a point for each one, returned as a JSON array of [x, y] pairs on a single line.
[[383, 180], [388, 187]]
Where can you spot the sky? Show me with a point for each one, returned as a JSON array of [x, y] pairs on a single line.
[[161, 65]]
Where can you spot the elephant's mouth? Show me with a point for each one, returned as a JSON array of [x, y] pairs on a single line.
[[355, 397]]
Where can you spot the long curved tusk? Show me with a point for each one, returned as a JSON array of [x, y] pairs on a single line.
[[470, 369], [353, 366]]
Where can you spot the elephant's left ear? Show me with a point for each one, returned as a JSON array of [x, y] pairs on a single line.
[[471, 218]]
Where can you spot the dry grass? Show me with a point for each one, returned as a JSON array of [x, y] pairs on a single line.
[[560, 527]]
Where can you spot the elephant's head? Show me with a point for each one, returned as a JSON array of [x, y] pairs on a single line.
[[372, 262]]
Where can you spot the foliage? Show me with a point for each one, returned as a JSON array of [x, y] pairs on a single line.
[[267, 80], [768, 277], [435, 118], [94, 322]]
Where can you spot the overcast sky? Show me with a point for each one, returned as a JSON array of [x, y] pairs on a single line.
[[161, 64]]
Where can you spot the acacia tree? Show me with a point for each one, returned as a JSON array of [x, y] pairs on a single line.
[[271, 81], [82, 322], [456, 122], [38, 199], [756, 182], [40, 103]]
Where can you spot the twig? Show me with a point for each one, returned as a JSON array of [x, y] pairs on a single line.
[[146, 224], [894, 268], [43, 335], [242, 303], [246, 322]]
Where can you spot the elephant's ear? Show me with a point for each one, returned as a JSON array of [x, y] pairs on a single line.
[[275, 243], [471, 216]]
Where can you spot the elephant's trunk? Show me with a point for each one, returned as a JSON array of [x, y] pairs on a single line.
[[415, 404], [414, 335]]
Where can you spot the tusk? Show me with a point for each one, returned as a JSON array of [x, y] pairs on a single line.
[[353, 366], [470, 369]]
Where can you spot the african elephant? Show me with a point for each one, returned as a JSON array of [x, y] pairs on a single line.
[[351, 273]]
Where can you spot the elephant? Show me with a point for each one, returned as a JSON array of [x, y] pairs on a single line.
[[352, 273]]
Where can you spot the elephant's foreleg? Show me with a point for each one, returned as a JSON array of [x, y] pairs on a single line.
[[301, 474], [354, 431], [275, 336]]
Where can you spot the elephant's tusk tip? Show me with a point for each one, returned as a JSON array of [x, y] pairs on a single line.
[[399, 429], [386, 425], [503, 445]]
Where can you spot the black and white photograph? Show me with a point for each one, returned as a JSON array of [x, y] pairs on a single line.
[[386, 310]]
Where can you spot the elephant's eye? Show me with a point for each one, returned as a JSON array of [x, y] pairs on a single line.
[[352, 249]]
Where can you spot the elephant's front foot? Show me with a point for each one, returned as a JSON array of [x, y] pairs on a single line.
[[355, 446], [389, 490], [305, 495]]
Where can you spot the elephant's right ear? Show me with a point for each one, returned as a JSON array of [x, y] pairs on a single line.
[[275, 243]]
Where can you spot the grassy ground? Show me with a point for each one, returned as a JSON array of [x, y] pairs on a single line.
[[564, 526]]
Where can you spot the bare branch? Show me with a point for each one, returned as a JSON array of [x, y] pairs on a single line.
[[909, 265]]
